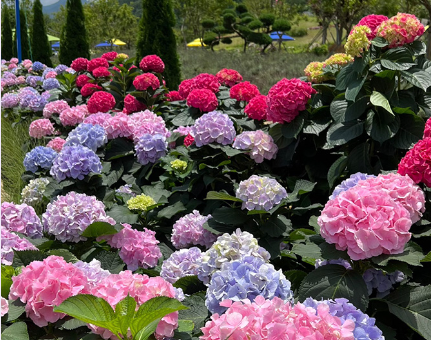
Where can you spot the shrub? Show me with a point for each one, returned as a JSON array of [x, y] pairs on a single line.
[[298, 32], [40, 47]]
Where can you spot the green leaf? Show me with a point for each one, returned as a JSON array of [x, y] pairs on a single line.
[[97, 229], [190, 284], [316, 126], [124, 312], [412, 255], [338, 108], [229, 216], [427, 258], [354, 86], [336, 170], [277, 226], [6, 280], [355, 110], [418, 78], [334, 281], [344, 77], [72, 324], [303, 187], [183, 119], [122, 214], [410, 131], [378, 127], [117, 148], [295, 277], [25, 257], [16, 331], [359, 159], [308, 250], [379, 42], [197, 311], [397, 59], [185, 325], [214, 195], [378, 99], [272, 245], [341, 133], [16, 309], [293, 129], [171, 210], [65, 254], [109, 260], [329, 252]]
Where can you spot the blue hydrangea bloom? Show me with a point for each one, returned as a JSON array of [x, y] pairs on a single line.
[[376, 279], [36, 103], [37, 66], [349, 183], [32, 80], [60, 68], [50, 84], [91, 136], [365, 328], [150, 149], [40, 156], [75, 162], [48, 69], [243, 279]]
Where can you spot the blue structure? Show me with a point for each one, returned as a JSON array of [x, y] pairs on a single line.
[[105, 44], [276, 36], [18, 31], [56, 45]]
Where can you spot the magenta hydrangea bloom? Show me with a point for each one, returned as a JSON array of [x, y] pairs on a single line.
[[372, 21], [189, 230], [68, 216], [417, 162], [181, 263], [213, 127], [11, 242], [259, 145], [40, 128], [42, 285], [55, 107], [21, 218]]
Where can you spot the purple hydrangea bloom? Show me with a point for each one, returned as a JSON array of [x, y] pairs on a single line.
[[47, 70], [259, 145], [93, 271], [38, 103], [97, 118], [125, 189], [149, 149], [37, 66], [50, 84], [91, 136], [7, 75], [40, 156], [60, 68], [32, 80], [21, 218], [365, 328], [376, 279], [341, 262], [189, 230], [184, 262], [9, 100], [11, 242], [260, 193], [349, 183], [243, 279], [213, 127], [68, 216], [26, 99]]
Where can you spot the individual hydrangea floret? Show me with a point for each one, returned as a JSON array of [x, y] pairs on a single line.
[[140, 203], [213, 127], [76, 162], [260, 193], [349, 183], [55, 107], [179, 165], [149, 148], [93, 271], [228, 77], [181, 263], [189, 230], [50, 84], [357, 41], [40, 128], [11, 242], [32, 194], [259, 145], [39, 157], [21, 218], [417, 162], [203, 99], [244, 91], [68, 216], [381, 282], [56, 144], [91, 136]]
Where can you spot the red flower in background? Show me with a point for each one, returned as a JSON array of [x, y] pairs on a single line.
[[174, 96], [101, 72], [109, 55]]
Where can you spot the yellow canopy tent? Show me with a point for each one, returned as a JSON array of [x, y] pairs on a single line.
[[118, 42], [196, 43]]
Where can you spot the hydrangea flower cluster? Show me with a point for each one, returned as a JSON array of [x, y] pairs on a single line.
[[179, 165], [46, 71], [33, 80], [138, 249], [229, 248], [181, 263], [33, 102], [50, 75], [74, 115], [314, 72], [79, 64], [42, 285], [60, 68], [39, 157], [95, 63], [256, 108], [55, 107], [100, 72], [260, 193], [244, 91], [228, 77], [75, 161], [56, 144], [131, 104], [81, 80], [173, 96], [101, 101], [259, 145], [11, 242], [189, 230], [185, 87], [91, 136], [417, 162], [357, 41], [147, 122], [118, 126], [9, 100], [93, 271], [38, 66], [400, 29], [4, 306], [275, 319], [149, 148], [69, 215], [97, 118], [376, 279], [349, 183], [140, 202], [90, 88], [286, 99], [372, 21], [205, 81], [21, 218], [109, 55], [40, 128], [152, 63], [32, 194], [213, 127], [245, 279], [50, 84], [145, 81], [427, 130], [203, 99]]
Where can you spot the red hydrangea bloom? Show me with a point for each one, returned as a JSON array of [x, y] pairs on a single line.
[[101, 101], [372, 21], [131, 104], [189, 140], [256, 108], [132, 67], [109, 55], [228, 77], [427, 131], [286, 99], [244, 91], [185, 87], [202, 99], [101, 72], [146, 80], [95, 63], [89, 88], [417, 162], [79, 64], [82, 79], [174, 96], [152, 63], [206, 81]]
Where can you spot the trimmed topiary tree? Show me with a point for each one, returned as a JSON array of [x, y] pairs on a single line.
[[156, 36], [73, 40], [40, 47], [6, 35], [281, 25], [25, 43]]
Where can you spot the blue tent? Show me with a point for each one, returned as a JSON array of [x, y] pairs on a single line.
[[105, 44], [57, 44], [276, 36]]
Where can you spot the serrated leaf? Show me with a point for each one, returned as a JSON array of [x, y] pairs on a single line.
[[64, 253], [341, 133], [97, 229], [25, 257], [293, 129], [378, 128], [336, 170], [379, 42], [124, 312], [16, 331], [410, 131], [418, 78], [171, 210], [308, 250], [117, 148], [109, 261], [338, 108], [277, 226], [189, 284], [185, 325], [197, 311], [359, 159], [427, 258], [73, 324], [214, 195], [295, 277], [378, 99], [121, 214], [412, 255]]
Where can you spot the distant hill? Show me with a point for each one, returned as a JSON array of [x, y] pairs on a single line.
[[52, 6]]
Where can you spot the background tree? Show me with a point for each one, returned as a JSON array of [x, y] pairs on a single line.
[[156, 36], [427, 5], [41, 49], [267, 20], [324, 11], [129, 25], [6, 35], [281, 26], [25, 41]]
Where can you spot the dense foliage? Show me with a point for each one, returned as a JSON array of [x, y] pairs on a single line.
[[6, 34], [41, 49]]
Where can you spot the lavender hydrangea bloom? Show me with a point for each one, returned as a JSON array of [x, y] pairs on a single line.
[[37, 66], [11, 242], [259, 145], [319, 263], [50, 84], [21, 218], [183, 130], [349, 183], [149, 149], [91, 136], [125, 189], [184, 262], [32, 80], [37, 104], [365, 328], [229, 248], [376, 279], [93, 271], [260, 193], [243, 279], [47, 70], [9, 100], [60, 68], [75, 162], [213, 127], [68, 216], [40, 156], [32, 194]]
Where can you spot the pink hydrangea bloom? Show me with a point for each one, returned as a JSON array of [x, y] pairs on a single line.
[[256, 108], [259, 145], [51, 74], [138, 249], [11, 242], [56, 144], [40, 128], [372, 21], [4, 306], [45, 284], [205, 81], [183, 130], [228, 77], [152, 63], [417, 162], [365, 222], [118, 126], [97, 118], [21, 218], [147, 122], [427, 131], [74, 115], [20, 80], [244, 91], [57, 106], [101, 72], [116, 287]]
